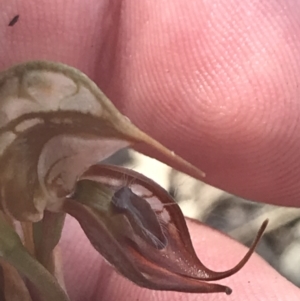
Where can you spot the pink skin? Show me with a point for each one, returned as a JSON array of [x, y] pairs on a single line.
[[226, 77]]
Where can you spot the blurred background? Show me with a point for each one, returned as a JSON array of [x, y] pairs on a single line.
[[235, 216]]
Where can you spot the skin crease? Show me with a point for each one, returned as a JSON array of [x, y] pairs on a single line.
[[225, 75]]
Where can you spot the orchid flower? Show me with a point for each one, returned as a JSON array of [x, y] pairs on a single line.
[[56, 127]]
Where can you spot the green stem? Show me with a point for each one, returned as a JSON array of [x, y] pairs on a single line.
[[13, 251], [46, 235]]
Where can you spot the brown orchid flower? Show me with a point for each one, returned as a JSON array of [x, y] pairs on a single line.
[[55, 126]]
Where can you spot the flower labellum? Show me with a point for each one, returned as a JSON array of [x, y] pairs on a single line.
[[132, 224], [142, 218]]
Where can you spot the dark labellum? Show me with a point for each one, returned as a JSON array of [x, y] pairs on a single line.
[[141, 216], [14, 20], [145, 241]]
